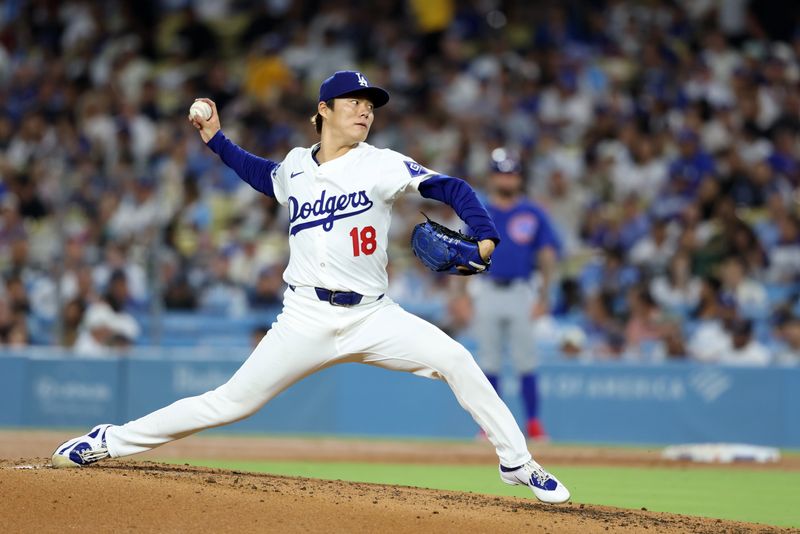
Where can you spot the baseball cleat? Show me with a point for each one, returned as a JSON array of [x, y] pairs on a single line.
[[83, 450], [545, 486]]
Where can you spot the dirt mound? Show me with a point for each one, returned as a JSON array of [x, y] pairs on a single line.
[[145, 496]]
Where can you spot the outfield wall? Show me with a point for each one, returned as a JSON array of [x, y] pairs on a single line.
[[614, 403]]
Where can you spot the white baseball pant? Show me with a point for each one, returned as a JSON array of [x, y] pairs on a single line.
[[310, 335]]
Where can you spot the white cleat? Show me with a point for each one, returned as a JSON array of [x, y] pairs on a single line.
[[545, 486], [83, 450]]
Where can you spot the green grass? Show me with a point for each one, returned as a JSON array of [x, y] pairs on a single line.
[[758, 496]]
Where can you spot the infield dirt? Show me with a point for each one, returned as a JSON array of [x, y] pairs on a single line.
[[143, 496]]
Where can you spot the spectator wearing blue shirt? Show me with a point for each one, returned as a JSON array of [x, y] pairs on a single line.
[[509, 298], [688, 170], [609, 274], [783, 159]]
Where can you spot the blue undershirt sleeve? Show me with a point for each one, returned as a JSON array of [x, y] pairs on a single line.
[[457, 194], [252, 169]]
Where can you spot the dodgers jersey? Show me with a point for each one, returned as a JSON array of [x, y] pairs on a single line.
[[524, 229], [339, 215], [340, 210]]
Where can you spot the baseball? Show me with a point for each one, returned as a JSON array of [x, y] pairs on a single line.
[[201, 110]]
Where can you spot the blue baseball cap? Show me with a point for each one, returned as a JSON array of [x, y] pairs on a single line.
[[503, 162], [349, 81]]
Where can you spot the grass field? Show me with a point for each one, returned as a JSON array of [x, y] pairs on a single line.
[[768, 497]]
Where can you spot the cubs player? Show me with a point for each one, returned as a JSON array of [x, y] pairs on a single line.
[[509, 294], [339, 195]]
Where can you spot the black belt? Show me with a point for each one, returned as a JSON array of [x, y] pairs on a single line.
[[338, 298]]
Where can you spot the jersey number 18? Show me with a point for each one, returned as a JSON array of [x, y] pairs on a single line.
[[364, 241]]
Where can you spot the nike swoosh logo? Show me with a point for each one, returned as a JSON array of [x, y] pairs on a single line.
[[296, 173]]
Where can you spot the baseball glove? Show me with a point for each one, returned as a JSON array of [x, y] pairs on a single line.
[[446, 251]]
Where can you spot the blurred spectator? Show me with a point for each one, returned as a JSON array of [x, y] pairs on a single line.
[[178, 294], [643, 327], [600, 325], [72, 319], [219, 294], [692, 166], [750, 186], [767, 229], [644, 174], [783, 160], [749, 295], [568, 304], [610, 275], [565, 201], [744, 243], [118, 258], [710, 340], [572, 344], [563, 105], [268, 288], [13, 329], [745, 349], [677, 290], [16, 295], [653, 252], [246, 263], [785, 255], [789, 335], [140, 210], [673, 343], [633, 224], [107, 327]]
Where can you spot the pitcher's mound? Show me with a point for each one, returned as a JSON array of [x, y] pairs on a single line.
[[121, 496]]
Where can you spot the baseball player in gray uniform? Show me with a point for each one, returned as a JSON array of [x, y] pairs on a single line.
[[339, 195], [508, 297]]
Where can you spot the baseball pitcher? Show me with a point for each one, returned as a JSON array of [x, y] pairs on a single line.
[[339, 196]]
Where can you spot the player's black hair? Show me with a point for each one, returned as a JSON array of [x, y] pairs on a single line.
[[317, 118]]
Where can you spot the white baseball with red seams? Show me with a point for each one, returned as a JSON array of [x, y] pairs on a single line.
[[200, 109]]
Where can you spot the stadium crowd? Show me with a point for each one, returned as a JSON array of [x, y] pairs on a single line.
[[661, 136]]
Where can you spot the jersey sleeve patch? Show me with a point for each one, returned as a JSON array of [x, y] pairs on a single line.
[[278, 176], [415, 169]]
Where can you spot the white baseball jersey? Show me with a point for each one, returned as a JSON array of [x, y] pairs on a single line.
[[339, 215]]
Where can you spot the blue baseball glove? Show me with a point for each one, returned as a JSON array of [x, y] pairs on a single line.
[[446, 251]]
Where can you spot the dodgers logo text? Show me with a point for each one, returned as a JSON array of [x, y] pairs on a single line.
[[325, 210]]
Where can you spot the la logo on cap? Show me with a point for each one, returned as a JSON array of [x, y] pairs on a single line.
[[344, 82]]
